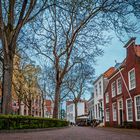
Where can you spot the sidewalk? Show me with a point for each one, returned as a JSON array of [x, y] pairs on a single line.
[[135, 132], [31, 130]]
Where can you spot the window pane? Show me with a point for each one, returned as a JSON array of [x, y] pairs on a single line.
[[114, 112], [119, 86], [138, 106], [132, 81], [113, 89], [129, 110]]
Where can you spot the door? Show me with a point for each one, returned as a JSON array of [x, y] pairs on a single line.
[[120, 112], [121, 116]]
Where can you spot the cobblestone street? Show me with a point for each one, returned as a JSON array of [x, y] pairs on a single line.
[[75, 133]]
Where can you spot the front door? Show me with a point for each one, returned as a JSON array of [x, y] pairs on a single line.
[[121, 117], [120, 112]]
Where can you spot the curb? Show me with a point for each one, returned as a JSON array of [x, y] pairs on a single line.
[[31, 130]]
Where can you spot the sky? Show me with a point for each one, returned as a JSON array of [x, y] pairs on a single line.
[[114, 51]]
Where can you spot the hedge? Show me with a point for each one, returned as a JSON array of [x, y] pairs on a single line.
[[28, 122]]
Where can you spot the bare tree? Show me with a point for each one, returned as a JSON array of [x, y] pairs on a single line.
[[14, 14], [78, 25], [78, 83]]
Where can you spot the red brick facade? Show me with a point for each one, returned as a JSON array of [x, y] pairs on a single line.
[[48, 108], [118, 107]]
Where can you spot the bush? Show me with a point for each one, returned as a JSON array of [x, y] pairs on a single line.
[[28, 122]]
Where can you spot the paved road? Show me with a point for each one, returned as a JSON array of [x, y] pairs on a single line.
[[75, 133]]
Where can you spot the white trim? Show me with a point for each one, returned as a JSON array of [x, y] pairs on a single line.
[[130, 88], [117, 85], [136, 108], [127, 110]]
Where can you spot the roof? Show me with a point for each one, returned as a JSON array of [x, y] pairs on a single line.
[[106, 74], [131, 40], [109, 72]]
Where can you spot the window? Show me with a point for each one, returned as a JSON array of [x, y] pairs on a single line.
[[114, 110], [107, 97], [113, 89], [129, 110], [119, 86], [132, 79], [107, 114], [96, 91], [96, 111], [137, 107], [14, 104], [71, 108], [100, 88]]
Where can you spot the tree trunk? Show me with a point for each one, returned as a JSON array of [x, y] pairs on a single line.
[[42, 107], [30, 108], [56, 101], [75, 111], [7, 82]]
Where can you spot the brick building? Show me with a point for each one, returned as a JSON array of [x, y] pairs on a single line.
[[99, 86], [48, 108], [122, 96]]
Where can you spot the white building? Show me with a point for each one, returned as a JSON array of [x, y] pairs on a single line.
[[90, 107], [70, 110], [100, 85]]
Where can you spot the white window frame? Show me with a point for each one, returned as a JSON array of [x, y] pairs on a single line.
[[114, 119], [112, 89], [118, 86], [127, 109], [106, 97], [107, 118], [136, 108], [130, 88]]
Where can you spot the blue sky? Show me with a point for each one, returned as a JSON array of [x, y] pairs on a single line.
[[114, 51]]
